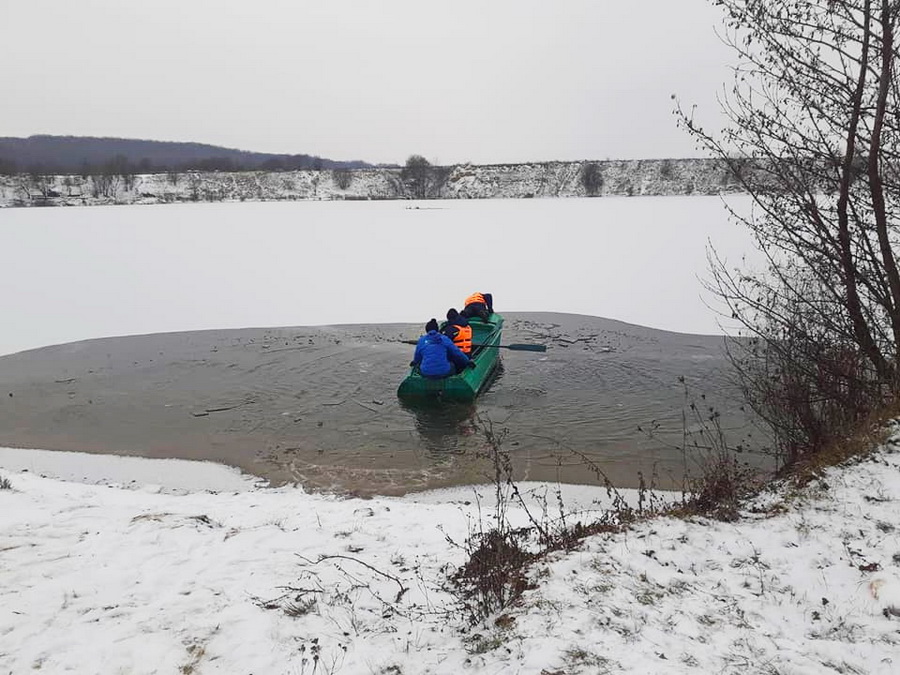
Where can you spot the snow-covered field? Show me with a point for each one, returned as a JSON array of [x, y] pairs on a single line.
[[104, 578], [79, 273]]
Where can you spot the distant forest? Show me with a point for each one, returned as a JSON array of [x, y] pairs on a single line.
[[85, 155]]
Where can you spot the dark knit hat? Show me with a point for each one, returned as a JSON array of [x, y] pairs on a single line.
[[431, 325], [452, 314]]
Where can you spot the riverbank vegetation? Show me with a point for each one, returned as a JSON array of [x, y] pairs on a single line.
[[815, 106], [816, 101]]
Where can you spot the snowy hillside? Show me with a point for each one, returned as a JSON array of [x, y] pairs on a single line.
[[553, 179]]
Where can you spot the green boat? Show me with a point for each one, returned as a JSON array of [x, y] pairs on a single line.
[[466, 385]]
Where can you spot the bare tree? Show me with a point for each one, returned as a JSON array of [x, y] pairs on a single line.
[[592, 178], [813, 137], [422, 179], [342, 178], [104, 185]]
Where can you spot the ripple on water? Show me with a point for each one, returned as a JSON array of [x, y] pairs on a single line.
[[318, 405]]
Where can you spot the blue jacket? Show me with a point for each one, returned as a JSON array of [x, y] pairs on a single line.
[[436, 355]]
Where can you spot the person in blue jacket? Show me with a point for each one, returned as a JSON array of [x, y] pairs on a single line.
[[437, 356]]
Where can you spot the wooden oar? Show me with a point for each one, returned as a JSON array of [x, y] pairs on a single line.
[[518, 347]]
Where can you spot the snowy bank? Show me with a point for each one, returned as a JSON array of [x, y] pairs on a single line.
[[465, 181], [98, 578]]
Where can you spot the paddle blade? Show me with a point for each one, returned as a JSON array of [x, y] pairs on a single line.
[[526, 348]]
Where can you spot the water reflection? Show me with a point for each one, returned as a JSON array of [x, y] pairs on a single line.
[[448, 428], [443, 426]]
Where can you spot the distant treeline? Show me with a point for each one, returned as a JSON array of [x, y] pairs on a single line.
[[43, 155]]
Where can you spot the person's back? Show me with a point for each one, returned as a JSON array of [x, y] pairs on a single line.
[[436, 355], [479, 305], [458, 329]]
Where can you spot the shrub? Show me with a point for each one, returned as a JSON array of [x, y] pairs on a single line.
[[495, 574], [592, 178], [720, 486], [342, 178], [719, 481], [498, 559], [421, 179]]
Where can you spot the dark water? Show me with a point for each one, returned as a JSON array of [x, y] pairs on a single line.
[[318, 405]]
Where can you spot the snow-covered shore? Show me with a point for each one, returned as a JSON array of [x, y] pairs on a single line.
[[464, 181], [107, 578]]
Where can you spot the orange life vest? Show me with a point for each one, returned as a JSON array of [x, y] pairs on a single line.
[[463, 338], [475, 297]]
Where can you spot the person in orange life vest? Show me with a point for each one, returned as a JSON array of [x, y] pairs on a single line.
[[480, 305], [458, 329], [437, 356]]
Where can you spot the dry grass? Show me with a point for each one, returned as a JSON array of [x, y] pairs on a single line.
[[196, 652], [872, 433], [719, 488], [499, 559], [495, 575]]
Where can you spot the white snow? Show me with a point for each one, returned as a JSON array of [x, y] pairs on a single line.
[[80, 273], [171, 475], [99, 578]]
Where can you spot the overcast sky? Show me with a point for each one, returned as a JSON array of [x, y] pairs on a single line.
[[470, 80]]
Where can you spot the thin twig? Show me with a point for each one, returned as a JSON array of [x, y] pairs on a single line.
[[400, 594]]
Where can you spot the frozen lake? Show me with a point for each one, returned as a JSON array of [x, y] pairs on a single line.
[[76, 273]]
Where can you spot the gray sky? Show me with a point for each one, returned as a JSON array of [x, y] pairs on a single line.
[[471, 80]]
